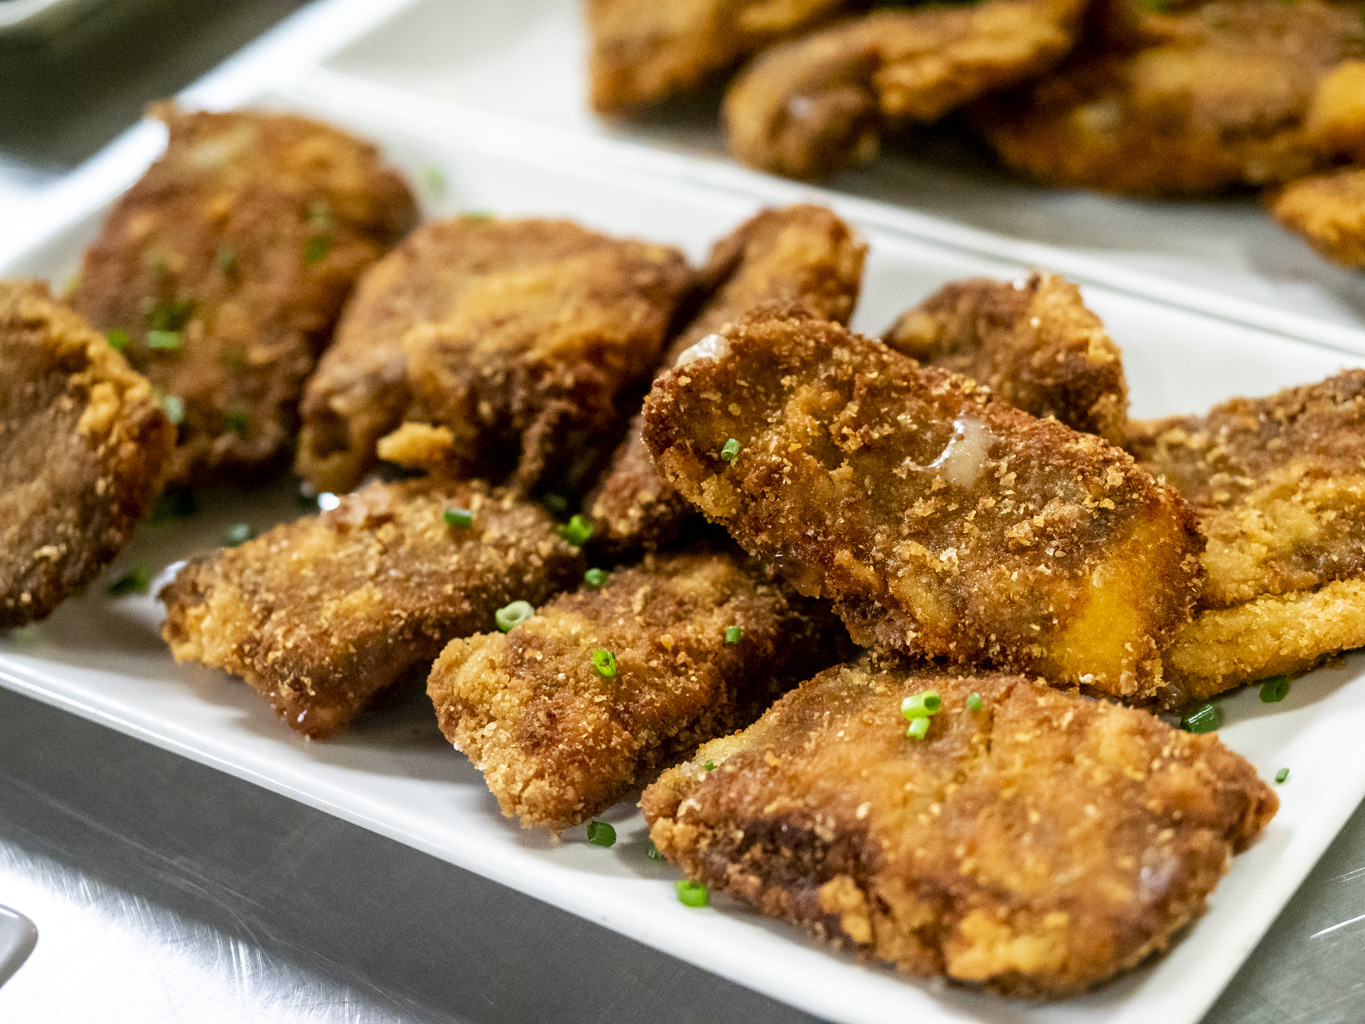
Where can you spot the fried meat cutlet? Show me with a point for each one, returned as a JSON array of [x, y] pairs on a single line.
[[558, 741], [322, 614], [800, 253], [520, 335], [1327, 211], [223, 269], [1278, 484], [1036, 846], [1033, 342], [818, 104], [943, 522], [643, 51], [83, 445], [1193, 98]]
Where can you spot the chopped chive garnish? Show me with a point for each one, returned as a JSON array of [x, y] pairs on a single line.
[[1205, 718], [652, 851], [733, 634], [710, 766], [576, 531], [513, 615], [459, 518], [118, 339], [238, 534], [319, 215], [596, 578], [175, 502], [315, 249], [227, 259], [1274, 689], [974, 702], [605, 663], [1281, 775], [692, 894], [433, 179], [918, 728], [164, 340], [477, 215], [236, 421], [731, 450], [174, 408], [556, 503], [169, 314], [601, 833], [922, 705], [137, 580]]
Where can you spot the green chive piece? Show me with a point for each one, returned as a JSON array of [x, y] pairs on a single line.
[[513, 615], [169, 314], [556, 503], [605, 663], [227, 260], [922, 705], [476, 215], [433, 179], [165, 340], [118, 339], [974, 702], [601, 833], [596, 578], [710, 766], [315, 249], [175, 502], [731, 450], [236, 421], [1205, 718], [576, 531], [733, 634], [1282, 775], [319, 215], [137, 580], [459, 518], [918, 728], [238, 534], [692, 894], [174, 408], [1274, 689], [652, 851]]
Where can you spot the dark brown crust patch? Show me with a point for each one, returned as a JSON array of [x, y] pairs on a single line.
[[83, 446], [1036, 847]]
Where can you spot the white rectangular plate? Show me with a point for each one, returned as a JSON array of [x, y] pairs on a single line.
[[101, 657]]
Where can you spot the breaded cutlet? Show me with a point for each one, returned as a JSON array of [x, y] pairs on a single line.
[[320, 615], [83, 446], [1327, 211], [1036, 846], [521, 336], [1033, 342], [221, 273], [943, 522], [1278, 484], [800, 253], [558, 740]]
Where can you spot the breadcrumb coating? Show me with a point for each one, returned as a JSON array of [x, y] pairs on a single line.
[[942, 522], [1192, 97], [558, 742], [225, 267], [818, 104], [521, 336], [1036, 846], [322, 614], [1033, 342], [1278, 484], [800, 253], [643, 51], [83, 446], [1327, 211]]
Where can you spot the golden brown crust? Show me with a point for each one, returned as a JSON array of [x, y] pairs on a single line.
[[322, 614], [1327, 211], [800, 253], [83, 446], [943, 522], [1278, 484], [557, 742], [813, 106], [243, 240], [644, 51], [1197, 98], [1037, 846], [1032, 342], [521, 336]]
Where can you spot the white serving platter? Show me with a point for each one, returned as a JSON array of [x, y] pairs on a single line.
[[101, 657]]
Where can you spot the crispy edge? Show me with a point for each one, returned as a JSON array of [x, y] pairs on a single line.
[[1327, 211]]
